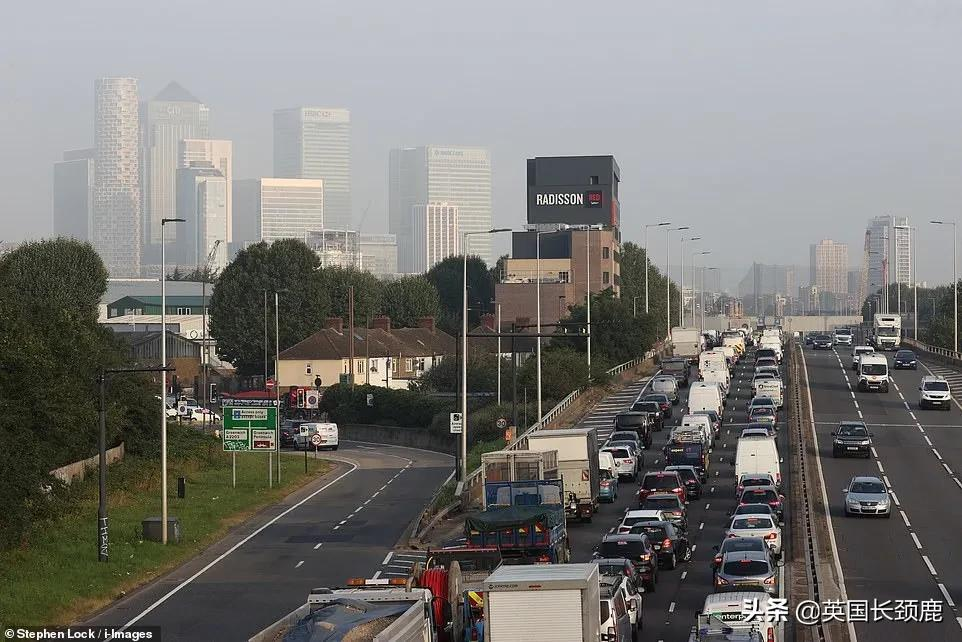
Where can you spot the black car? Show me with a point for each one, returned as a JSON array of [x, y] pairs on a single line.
[[663, 402], [287, 438], [822, 342], [905, 359], [670, 543], [851, 438], [653, 410], [678, 368], [637, 422], [692, 478], [808, 339], [637, 548]]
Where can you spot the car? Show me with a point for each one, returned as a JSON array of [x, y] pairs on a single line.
[[616, 613], [716, 420], [935, 392], [287, 438], [637, 549], [822, 342], [766, 362], [772, 370], [747, 570], [170, 410], [662, 482], [857, 353], [763, 414], [765, 425], [761, 376], [626, 460], [633, 517], [760, 430], [653, 409], [663, 402], [691, 477], [843, 336], [625, 435], [638, 423], [608, 483], [636, 453], [734, 544], [757, 525], [674, 508], [851, 438], [760, 402], [617, 566], [766, 353], [667, 385], [764, 495], [867, 496], [753, 509], [202, 414], [749, 480], [669, 542], [904, 359], [808, 338]]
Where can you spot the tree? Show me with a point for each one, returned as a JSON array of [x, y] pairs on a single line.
[[409, 297], [617, 336], [633, 285], [368, 290], [446, 376], [447, 276], [237, 302], [562, 370]]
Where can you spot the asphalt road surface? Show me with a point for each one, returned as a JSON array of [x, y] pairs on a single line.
[[669, 612], [917, 553], [321, 536]]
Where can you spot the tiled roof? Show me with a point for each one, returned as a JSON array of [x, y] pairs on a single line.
[[328, 344]]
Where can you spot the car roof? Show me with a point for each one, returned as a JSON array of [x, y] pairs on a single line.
[[752, 539], [754, 556], [852, 422], [866, 478], [630, 413], [615, 561], [661, 473], [767, 516], [933, 378], [681, 467], [756, 489], [646, 512], [628, 537], [663, 496]]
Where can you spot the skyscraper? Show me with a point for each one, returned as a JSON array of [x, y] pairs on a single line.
[[172, 116], [829, 271], [219, 153], [270, 209], [879, 269], [116, 225], [459, 176], [379, 254], [202, 202], [435, 234], [315, 143], [73, 194], [902, 248]]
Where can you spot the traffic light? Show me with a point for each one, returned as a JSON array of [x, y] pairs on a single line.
[[213, 393], [300, 398]]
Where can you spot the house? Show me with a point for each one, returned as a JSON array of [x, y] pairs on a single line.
[[149, 305], [383, 356]]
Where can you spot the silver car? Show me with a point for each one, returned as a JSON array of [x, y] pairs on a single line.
[[867, 496], [758, 525], [746, 571]]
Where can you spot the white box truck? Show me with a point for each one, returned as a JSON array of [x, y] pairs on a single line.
[[887, 331], [557, 602], [687, 343], [578, 465]]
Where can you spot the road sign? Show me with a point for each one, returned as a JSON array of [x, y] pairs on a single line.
[[370, 400], [316, 439], [270, 384], [502, 423], [457, 423], [250, 428], [311, 399]]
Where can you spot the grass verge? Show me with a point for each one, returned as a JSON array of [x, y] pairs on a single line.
[[55, 578]]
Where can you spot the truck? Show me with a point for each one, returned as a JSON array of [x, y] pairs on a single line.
[[500, 467], [577, 465], [557, 602], [379, 610], [887, 331], [687, 343]]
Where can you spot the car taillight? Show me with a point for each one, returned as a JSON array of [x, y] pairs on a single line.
[[774, 502], [718, 560], [676, 490], [719, 580], [545, 559], [771, 536], [666, 543], [770, 580], [771, 634], [629, 461], [645, 557]]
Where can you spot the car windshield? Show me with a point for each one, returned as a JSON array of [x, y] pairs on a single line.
[[654, 533], [764, 375], [646, 406], [622, 435], [762, 411], [905, 354], [823, 337], [611, 569], [756, 481], [874, 368], [753, 509], [606, 474], [746, 568], [868, 487], [759, 496], [673, 366], [850, 430], [668, 503], [619, 453], [762, 401], [887, 332], [742, 544], [861, 351], [843, 332], [631, 420], [938, 386], [752, 523], [657, 398], [627, 548]]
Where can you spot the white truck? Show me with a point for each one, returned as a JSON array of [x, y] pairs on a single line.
[[577, 464], [687, 343], [378, 610], [887, 331], [543, 602]]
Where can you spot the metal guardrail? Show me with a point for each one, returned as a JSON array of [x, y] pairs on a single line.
[[942, 352]]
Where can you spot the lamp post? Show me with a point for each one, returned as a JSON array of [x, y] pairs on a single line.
[[703, 268], [163, 376], [647, 260], [464, 348], [681, 287], [498, 304], [668, 275], [915, 291], [538, 260], [955, 283], [693, 284], [634, 305]]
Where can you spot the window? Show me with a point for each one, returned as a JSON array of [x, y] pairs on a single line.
[[408, 365], [345, 366], [394, 366], [419, 364], [307, 368], [593, 180], [562, 277], [605, 278], [605, 252], [359, 365], [183, 310]]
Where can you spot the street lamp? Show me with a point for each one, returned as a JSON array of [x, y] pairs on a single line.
[[464, 347], [647, 261], [693, 284], [668, 274], [681, 287], [634, 305], [587, 230], [163, 375], [703, 268], [955, 282], [538, 260]]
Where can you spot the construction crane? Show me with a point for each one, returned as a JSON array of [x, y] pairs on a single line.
[[203, 345]]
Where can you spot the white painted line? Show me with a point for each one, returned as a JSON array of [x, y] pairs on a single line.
[[915, 538], [684, 574], [860, 414], [336, 527], [359, 508], [888, 484], [947, 469], [701, 526], [905, 518], [936, 453], [874, 454], [856, 404], [712, 489], [671, 607], [387, 558], [945, 592], [367, 502], [895, 498], [299, 564], [382, 488], [375, 494], [925, 558], [318, 545], [880, 469], [957, 482], [707, 506], [958, 621], [376, 575]]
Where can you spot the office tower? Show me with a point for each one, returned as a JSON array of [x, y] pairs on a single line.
[[219, 153], [435, 234], [202, 202], [829, 271], [173, 115], [902, 247], [270, 209], [379, 254], [459, 176], [116, 226], [315, 143], [73, 194], [879, 270]]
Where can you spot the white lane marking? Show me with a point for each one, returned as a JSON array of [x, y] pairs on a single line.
[[381, 488], [701, 526], [936, 453], [928, 562], [671, 607], [915, 538], [906, 404], [376, 575], [707, 506], [860, 414], [233, 548], [874, 454], [905, 518], [684, 574], [856, 404], [947, 469], [945, 592], [888, 484], [693, 547], [957, 482], [359, 509], [927, 440], [299, 564], [387, 558], [958, 621], [879, 462], [318, 545], [336, 527], [895, 498]]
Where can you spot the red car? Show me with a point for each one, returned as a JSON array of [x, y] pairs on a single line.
[[662, 482]]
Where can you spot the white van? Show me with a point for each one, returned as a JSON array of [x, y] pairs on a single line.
[[606, 462], [666, 385], [724, 611], [758, 455], [730, 355], [873, 372], [328, 436], [705, 396], [774, 343], [720, 376], [711, 360], [770, 388], [702, 423]]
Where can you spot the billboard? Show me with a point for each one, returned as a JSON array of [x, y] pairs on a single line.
[[577, 190]]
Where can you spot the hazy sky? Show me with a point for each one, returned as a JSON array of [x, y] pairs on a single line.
[[765, 125]]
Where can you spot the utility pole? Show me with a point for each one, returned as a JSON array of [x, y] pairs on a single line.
[[350, 317]]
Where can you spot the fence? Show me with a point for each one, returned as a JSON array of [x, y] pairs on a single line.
[[78, 469], [948, 355]]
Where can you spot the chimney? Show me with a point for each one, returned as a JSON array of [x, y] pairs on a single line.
[[426, 322], [489, 322], [381, 323], [334, 323]]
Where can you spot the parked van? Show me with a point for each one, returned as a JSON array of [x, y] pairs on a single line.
[[873, 372], [327, 431], [666, 385], [705, 396], [758, 455]]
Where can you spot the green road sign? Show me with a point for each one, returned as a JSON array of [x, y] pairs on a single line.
[[250, 428]]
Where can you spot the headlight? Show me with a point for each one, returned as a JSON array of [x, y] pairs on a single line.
[[865, 442], [853, 502]]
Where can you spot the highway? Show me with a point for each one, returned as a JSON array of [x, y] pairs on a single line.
[[915, 555], [340, 527], [669, 612]]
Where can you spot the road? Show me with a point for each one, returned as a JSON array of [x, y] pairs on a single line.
[[321, 536], [669, 612], [915, 555]]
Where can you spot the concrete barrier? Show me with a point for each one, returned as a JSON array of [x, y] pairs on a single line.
[[78, 469], [400, 436]]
